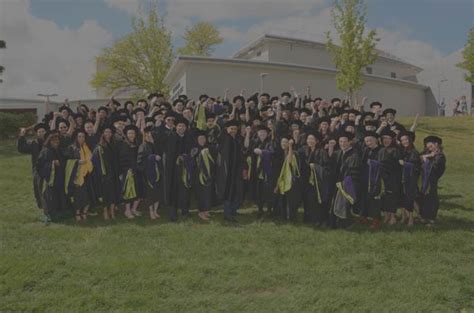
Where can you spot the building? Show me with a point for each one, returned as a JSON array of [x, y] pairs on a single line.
[[274, 63]]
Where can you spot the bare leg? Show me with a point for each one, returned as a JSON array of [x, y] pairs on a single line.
[[112, 211], [135, 207], [106, 213], [155, 209], [84, 212], [152, 213], [128, 212]]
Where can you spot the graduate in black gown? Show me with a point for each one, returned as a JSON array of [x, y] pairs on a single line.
[[78, 175], [130, 178], [105, 159], [33, 147], [372, 189], [347, 168], [411, 166], [433, 167], [287, 189], [230, 162], [314, 163], [390, 156], [261, 175], [50, 166], [149, 164], [204, 171]]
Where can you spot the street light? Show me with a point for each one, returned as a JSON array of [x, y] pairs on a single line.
[[439, 89], [47, 96], [262, 77]]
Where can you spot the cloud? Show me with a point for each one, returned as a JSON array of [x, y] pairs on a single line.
[[41, 57]]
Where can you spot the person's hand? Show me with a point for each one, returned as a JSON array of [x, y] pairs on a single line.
[[276, 189], [257, 151], [291, 142], [56, 162], [401, 162], [56, 114], [332, 143], [383, 124], [247, 105], [364, 99], [312, 166], [157, 158], [393, 128], [22, 132]]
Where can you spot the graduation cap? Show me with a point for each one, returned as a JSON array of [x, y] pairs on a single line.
[[122, 111], [138, 110], [316, 135], [149, 120], [236, 98], [345, 134], [120, 118], [154, 94], [128, 102], [265, 108], [159, 112], [84, 106], [365, 114], [253, 98], [210, 115], [102, 108], [307, 111], [433, 139], [371, 134], [78, 115], [62, 108], [116, 103], [349, 123], [325, 119], [318, 99], [387, 132], [77, 132], [170, 114], [334, 100], [203, 97], [353, 111], [88, 121], [183, 97], [274, 98], [40, 126], [232, 123], [375, 103], [286, 94], [198, 133], [411, 135], [62, 120], [179, 100], [297, 122], [167, 105], [130, 127], [111, 127], [148, 129], [389, 110], [263, 127], [182, 120], [265, 95], [371, 123]]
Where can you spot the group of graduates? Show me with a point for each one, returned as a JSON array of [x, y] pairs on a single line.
[[335, 160]]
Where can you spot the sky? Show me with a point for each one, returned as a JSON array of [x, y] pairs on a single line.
[[51, 44]]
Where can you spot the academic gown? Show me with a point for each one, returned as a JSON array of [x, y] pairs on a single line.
[[53, 196], [391, 173], [261, 176], [371, 189], [432, 170], [204, 175], [314, 184], [106, 173], [131, 183], [33, 147], [151, 172], [77, 195], [410, 174]]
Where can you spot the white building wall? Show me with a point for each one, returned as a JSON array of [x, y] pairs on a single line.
[[408, 99]]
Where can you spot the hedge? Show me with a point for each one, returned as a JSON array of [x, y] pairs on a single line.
[[10, 123]]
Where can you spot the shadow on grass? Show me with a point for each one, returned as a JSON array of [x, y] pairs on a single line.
[[247, 217]]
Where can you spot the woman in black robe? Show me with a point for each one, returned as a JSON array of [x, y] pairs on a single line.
[[411, 165], [150, 166], [129, 175], [204, 174], [390, 155], [433, 167], [314, 161], [77, 175], [106, 172], [50, 166]]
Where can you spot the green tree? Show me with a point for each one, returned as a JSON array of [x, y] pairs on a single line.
[[200, 39], [468, 56], [357, 47], [139, 60]]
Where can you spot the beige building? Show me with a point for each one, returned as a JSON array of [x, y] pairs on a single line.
[[274, 63]]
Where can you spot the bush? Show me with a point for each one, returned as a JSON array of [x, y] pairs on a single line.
[[10, 123]]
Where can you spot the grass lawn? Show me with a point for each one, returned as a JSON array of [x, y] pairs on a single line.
[[259, 267]]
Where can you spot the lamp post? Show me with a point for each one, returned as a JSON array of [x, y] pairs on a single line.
[[46, 97], [439, 89], [262, 81]]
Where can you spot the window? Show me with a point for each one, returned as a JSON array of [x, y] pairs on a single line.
[[368, 69], [393, 75]]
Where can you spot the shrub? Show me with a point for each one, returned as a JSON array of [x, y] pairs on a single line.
[[10, 123]]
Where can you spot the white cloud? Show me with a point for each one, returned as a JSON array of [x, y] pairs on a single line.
[[41, 57]]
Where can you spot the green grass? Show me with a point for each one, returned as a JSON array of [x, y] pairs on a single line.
[[258, 267]]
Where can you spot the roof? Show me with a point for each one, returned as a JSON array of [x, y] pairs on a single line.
[[180, 61], [261, 40]]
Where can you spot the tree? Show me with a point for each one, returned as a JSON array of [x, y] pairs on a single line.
[[468, 56], [356, 49], [200, 39], [139, 60]]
